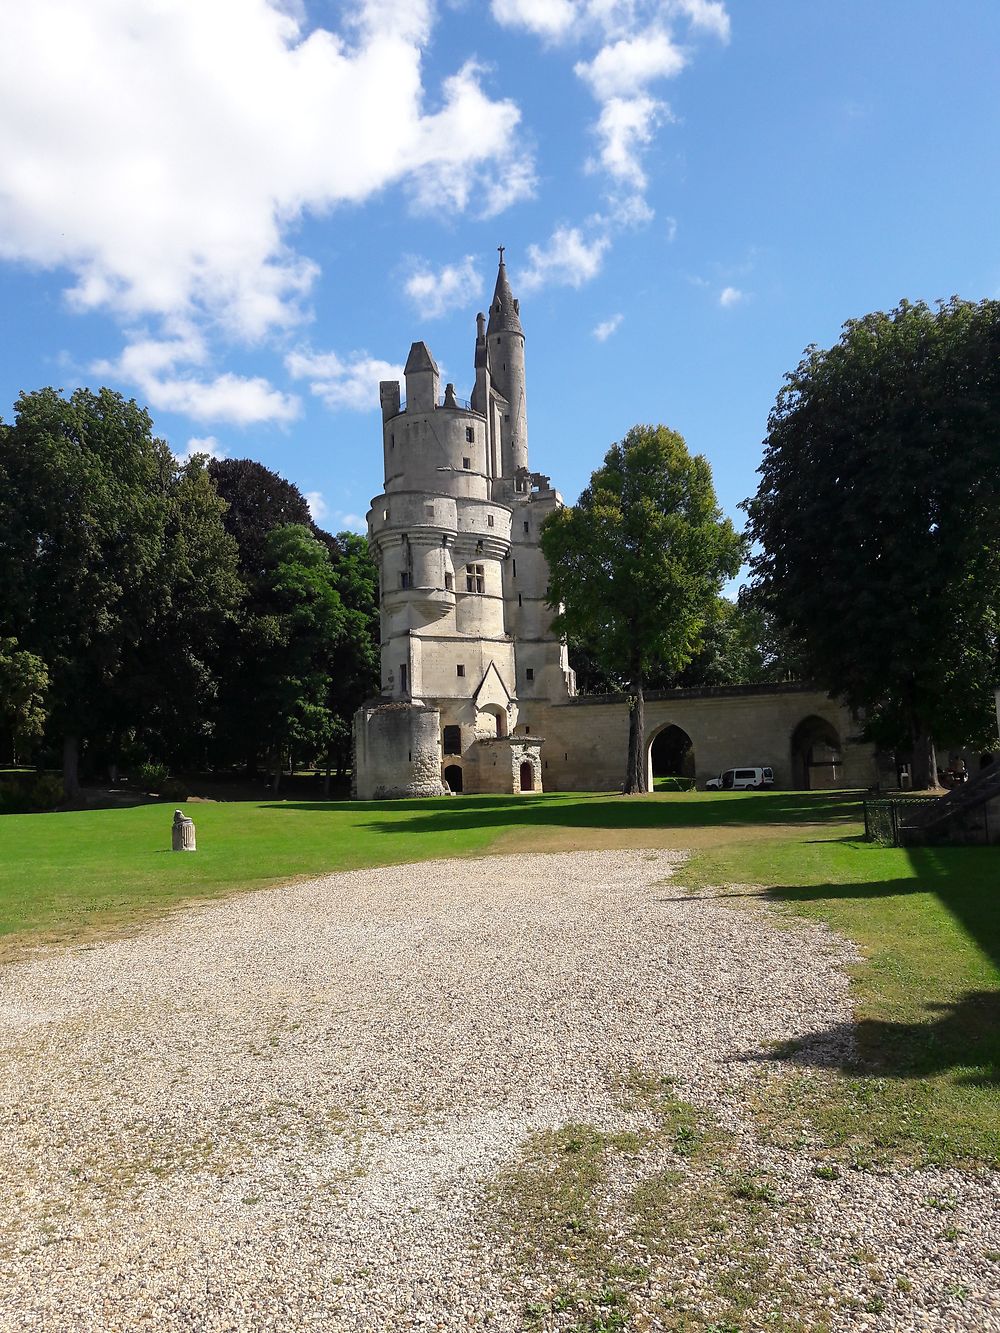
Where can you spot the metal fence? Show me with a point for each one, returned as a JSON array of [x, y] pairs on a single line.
[[889, 819]]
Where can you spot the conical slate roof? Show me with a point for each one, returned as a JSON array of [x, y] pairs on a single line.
[[503, 310]]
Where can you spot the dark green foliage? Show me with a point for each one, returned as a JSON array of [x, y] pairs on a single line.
[[24, 687], [877, 515], [637, 564], [114, 568], [258, 502]]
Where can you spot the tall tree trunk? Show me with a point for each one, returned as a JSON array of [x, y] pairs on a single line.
[[924, 757], [635, 775], [71, 767]]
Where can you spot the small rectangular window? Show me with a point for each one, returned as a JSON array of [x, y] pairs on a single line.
[[475, 578], [527, 731], [405, 579], [519, 599], [449, 582], [530, 673], [453, 740], [460, 669], [489, 520], [470, 434], [392, 441], [385, 516], [403, 683], [514, 563], [467, 463], [527, 526]]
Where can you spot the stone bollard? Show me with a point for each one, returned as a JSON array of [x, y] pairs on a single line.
[[182, 833]]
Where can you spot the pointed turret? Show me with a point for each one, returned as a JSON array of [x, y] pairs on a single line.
[[505, 310], [505, 351]]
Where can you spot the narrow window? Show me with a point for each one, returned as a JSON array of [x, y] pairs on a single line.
[[514, 563], [489, 520], [392, 441], [405, 579], [527, 731], [449, 582], [403, 684], [475, 578], [519, 599], [467, 463], [460, 669], [530, 673], [470, 434], [527, 526], [385, 516]]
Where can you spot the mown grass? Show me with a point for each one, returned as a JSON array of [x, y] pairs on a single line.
[[926, 1082]]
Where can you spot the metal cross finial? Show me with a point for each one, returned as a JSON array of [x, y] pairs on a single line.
[[501, 248]]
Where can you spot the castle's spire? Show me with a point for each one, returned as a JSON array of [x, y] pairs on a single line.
[[504, 309]]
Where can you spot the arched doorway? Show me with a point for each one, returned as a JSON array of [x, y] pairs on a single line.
[[527, 777], [816, 757], [453, 777], [671, 755]]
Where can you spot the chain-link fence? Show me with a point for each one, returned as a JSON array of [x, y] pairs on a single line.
[[889, 819]]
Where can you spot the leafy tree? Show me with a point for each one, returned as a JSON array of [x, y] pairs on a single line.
[[875, 514], [258, 501], [83, 485], [301, 634], [171, 680], [636, 564], [355, 674], [24, 686]]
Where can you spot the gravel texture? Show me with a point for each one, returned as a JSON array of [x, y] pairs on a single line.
[[282, 1110]]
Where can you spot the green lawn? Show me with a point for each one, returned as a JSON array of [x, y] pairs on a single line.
[[927, 920]]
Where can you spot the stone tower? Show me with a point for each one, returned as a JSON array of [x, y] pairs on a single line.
[[467, 643]]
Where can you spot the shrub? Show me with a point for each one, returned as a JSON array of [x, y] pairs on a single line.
[[152, 776], [174, 789], [46, 792]]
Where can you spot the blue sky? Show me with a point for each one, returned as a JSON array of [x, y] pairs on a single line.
[[243, 212]]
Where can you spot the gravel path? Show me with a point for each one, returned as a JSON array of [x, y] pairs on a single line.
[[279, 1111]]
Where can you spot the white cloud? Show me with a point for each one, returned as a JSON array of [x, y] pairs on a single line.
[[607, 327], [154, 366], [730, 296], [318, 507], [164, 153], [709, 15], [620, 68], [566, 260], [350, 384], [451, 287], [671, 230], [633, 46], [546, 18], [624, 127], [349, 522], [205, 444]]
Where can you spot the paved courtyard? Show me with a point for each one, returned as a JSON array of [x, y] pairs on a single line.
[[290, 1109]]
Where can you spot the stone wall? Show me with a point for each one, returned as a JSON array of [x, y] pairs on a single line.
[[397, 752], [586, 738]]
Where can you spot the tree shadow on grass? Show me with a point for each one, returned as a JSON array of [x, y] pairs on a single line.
[[965, 880], [592, 810], [958, 1035]]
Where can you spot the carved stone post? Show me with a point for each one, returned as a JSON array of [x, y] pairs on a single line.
[[182, 833]]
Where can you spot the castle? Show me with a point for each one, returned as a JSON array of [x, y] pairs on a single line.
[[477, 691]]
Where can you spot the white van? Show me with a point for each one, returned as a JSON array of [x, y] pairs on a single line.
[[742, 779]]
